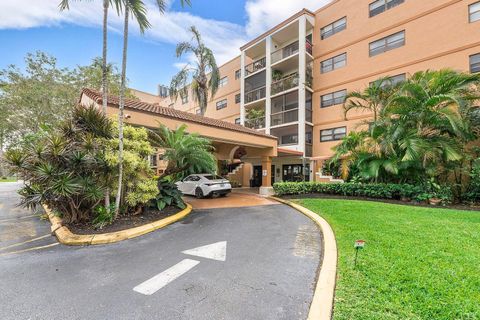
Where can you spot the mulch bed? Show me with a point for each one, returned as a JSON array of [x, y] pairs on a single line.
[[125, 221], [411, 203]]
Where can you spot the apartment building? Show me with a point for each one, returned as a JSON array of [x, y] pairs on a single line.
[[291, 81]]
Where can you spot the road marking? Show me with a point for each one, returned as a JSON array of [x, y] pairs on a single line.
[[30, 249], [20, 243], [215, 251], [159, 281], [20, 218]]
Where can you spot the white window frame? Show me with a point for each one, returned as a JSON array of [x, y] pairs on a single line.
[[391, 42]]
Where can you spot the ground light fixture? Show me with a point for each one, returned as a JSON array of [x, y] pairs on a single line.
[[359, 244]]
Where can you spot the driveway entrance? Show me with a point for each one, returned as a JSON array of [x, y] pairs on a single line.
[[241, 197], [256, 262]]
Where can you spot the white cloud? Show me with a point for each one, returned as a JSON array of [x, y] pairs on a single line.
[[265, 14]]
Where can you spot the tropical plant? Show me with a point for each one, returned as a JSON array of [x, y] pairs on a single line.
[[64, 167], [185, 153], [168, 195], [372, 99], [138, 177], [104, 216], [137, 9], [205, 76], [65, 5], [422, 129]]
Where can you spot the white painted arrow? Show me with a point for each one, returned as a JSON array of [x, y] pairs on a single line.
[[214, 251]]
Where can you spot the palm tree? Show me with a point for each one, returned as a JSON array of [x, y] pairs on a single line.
[[64, 5], [202, 82], [421, 130], [137, 9], [185, 153], [372, 99]]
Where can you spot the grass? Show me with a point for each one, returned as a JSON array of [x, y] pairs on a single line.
[[8, 179], [418, 263]]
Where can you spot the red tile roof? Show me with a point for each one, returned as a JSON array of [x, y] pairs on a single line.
[[172, 113]]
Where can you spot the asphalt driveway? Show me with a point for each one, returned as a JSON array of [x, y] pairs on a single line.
[[268, 272]]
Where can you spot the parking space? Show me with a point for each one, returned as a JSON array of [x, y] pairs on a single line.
[[20, 229]]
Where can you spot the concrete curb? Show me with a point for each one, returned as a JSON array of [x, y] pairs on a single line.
[[322, 303], [65, 236]]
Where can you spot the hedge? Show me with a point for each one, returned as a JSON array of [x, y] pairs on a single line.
[[370, 190]]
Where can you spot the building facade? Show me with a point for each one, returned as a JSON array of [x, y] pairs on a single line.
[[291, 81]]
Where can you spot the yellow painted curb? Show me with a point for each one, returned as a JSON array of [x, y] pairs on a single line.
[[65, 236], [322, 303]]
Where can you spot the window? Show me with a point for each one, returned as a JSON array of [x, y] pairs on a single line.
[[184, 98], [333, 134], [391, 42], [153, 161], [223, 82], [475, 63], [237, 98], [221, 104], [391, 81], [474, 11], [289, 139], [237, 121], [333, 98], [333, 28], [380, 6], [333, 63], [238, 74]]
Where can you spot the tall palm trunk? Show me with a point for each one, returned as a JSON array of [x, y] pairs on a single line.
[[120, 112], [104, 81]]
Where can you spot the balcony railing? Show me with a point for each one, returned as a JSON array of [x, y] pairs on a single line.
[[283, 117], [308, 47], [290, 50], [255, 94], [284, 84], [257, 123], [255, 66], [285, 52]]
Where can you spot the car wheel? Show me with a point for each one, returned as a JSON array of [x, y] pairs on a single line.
[[198, 193]]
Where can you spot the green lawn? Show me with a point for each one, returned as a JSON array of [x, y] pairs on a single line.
[[8, 179], [418, 263]]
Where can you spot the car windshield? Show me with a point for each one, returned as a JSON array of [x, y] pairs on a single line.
[[212, 177]]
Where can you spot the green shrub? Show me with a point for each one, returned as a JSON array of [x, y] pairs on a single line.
[[369, 190], [168, 195], [104, 216]]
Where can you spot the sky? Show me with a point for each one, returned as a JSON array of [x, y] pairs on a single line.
[[74, 37]]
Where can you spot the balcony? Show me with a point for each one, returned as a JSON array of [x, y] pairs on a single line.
[[285, 52], [257, 123], [285, 84], [255, 94], [284, 117], [255, 66], [290, 50]]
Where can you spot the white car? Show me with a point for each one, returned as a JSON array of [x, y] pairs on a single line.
[[204, 185]]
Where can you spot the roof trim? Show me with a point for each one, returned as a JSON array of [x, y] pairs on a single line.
[[172, 113], [278, 26]]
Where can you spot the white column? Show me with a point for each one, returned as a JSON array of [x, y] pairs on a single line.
[[242, 88], [302, 78], [268, 84]]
